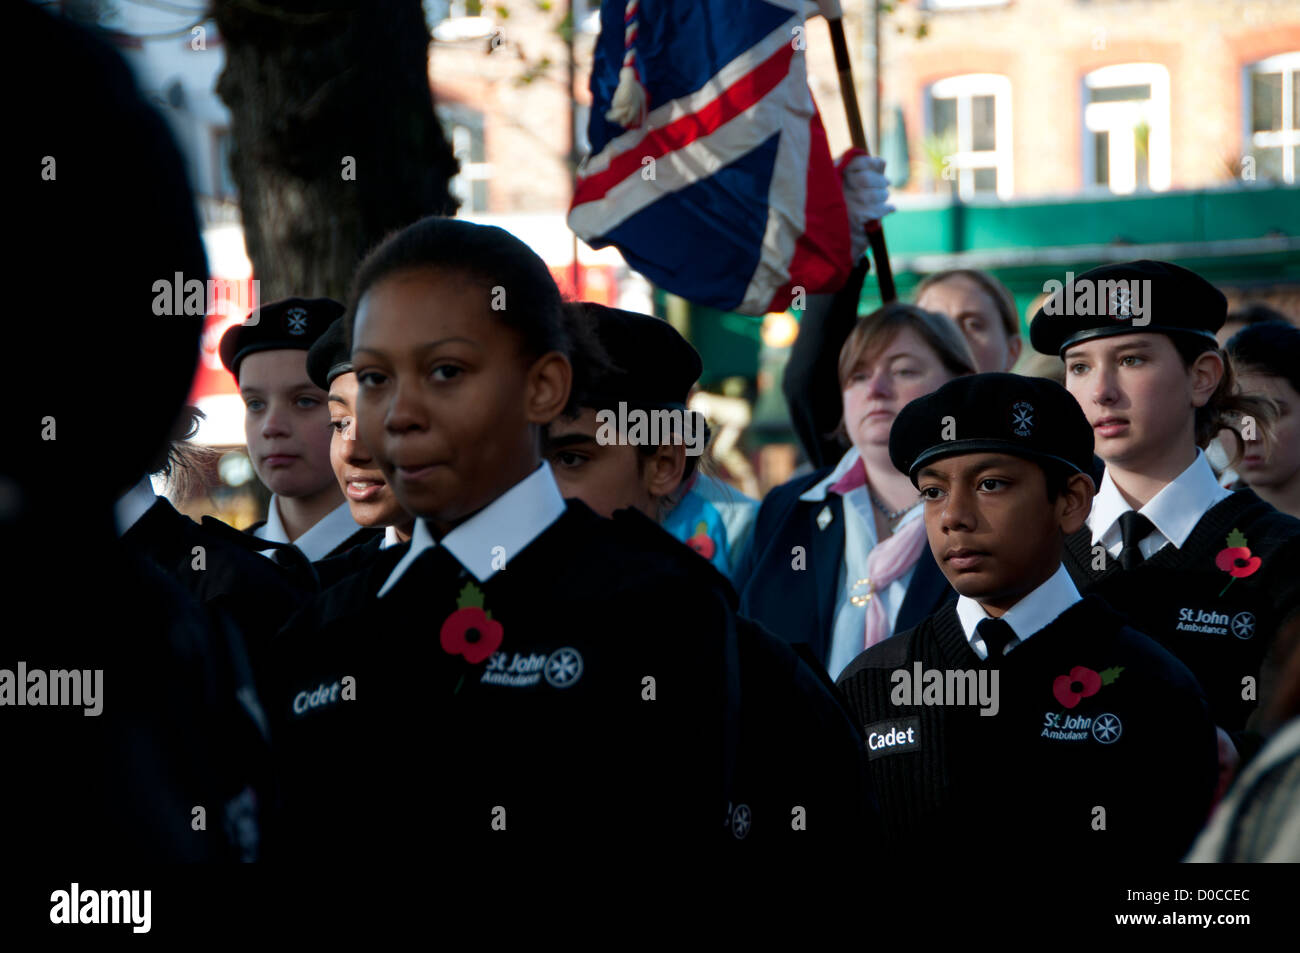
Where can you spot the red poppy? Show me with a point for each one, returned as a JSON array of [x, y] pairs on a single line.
[[1075, 687], [1237, 561], [469, 632], [702, 542]]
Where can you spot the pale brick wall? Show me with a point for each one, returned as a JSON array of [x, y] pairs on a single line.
[[1046, 47]]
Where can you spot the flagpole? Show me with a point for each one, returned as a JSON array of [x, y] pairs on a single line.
[[858, 136]]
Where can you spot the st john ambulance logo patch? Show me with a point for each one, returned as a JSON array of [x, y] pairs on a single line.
[[563, 668], [1121, 303], [740, 821], [297, 320], [1106, 728], [1022, 419], [1243, 625]]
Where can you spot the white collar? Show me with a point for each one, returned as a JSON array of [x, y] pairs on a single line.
[[390, 537], [325, 535], [273, 530], [502, 529], [1032, 613], [133, 504], [1174, 511], [817, 492]]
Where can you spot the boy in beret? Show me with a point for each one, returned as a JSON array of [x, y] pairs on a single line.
[[287, 427], [1209, 573], [790, 742], [1023, 718], [635, 443]]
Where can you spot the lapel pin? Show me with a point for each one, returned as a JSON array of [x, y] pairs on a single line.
[[824, 517]]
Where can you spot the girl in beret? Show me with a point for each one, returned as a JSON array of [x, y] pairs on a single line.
[[1209, 573]]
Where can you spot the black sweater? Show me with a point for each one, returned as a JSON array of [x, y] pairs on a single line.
[[1177, 597], [1026, 781], [557, 727]]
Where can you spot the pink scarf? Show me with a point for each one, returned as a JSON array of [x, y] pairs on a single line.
[[890, 559]]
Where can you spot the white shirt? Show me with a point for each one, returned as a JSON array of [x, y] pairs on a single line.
[[133, 504], [1031, 614], [1174, 511], [318, 542], [500, 531], [390, 537], [849, 631]]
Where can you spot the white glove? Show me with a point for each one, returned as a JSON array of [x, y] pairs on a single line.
[[866, 193]]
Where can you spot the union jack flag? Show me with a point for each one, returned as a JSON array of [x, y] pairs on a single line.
[[709, 166]]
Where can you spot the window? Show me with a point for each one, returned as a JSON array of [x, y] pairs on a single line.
[[464, 130], [1272, 91], [1126, 128], [971, 116]]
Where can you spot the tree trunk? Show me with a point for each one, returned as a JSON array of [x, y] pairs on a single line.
[[335, 142]]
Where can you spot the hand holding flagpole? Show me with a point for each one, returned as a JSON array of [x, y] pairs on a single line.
[[875, 234]]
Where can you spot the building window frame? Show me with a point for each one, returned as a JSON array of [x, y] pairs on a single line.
[[1124, 115], [967, 160], [1288, 137]]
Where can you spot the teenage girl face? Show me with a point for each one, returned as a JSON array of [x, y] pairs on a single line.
[[1278, 466], [286, 423], [976, 315], [883, 383], [370, 498], [992, 529], [1139, 397], [448, 402], [610, 477]]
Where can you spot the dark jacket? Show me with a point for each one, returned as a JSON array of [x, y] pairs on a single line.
[[732, 729], [799, 605]]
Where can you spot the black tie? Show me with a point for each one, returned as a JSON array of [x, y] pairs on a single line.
[[997, 635], [296, 565], [1133, 528]]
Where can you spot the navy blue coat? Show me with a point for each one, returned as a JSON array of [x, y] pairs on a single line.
[[799, 606]]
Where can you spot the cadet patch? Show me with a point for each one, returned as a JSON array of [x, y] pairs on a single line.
[[318, 697], [892, 737], [296, 319]]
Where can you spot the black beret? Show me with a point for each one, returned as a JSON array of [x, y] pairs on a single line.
[[651, 364], [1104, 302], [329, 356], [1030, 417], [288, 324]]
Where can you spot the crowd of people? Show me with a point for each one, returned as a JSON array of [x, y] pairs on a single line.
[[997, 613]]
